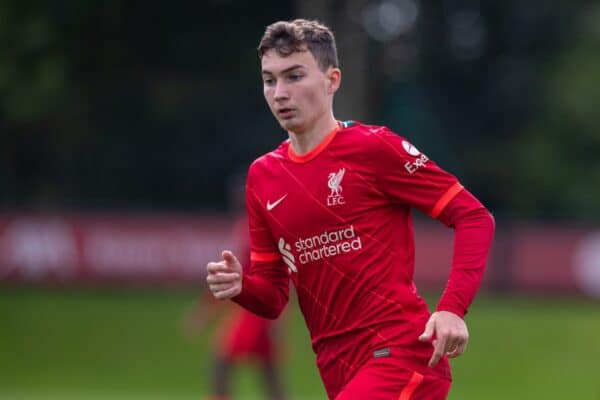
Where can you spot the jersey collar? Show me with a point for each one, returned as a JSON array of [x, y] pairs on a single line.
[[317, 150]]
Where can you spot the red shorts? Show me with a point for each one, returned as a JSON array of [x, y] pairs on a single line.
[[394, 377], [246, 335]]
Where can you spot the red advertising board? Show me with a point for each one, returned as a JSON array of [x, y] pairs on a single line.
[[109, 247], [175, 249]]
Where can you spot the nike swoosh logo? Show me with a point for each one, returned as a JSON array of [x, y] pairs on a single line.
[[271, 206]]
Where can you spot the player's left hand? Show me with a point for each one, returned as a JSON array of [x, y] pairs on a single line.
[[451, 335]]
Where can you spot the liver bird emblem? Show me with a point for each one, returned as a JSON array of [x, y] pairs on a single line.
[[335, 182]]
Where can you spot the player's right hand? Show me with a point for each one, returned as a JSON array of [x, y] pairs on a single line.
[[224, 278]]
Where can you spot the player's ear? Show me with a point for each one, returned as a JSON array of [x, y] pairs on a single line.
[[334, 79]]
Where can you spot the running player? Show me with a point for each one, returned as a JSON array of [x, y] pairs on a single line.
[[330, 210]]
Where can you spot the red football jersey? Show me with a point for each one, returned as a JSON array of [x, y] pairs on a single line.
[[337, 222]]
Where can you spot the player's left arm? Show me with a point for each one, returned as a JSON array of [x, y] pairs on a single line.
[[473, 232], [410, 178]]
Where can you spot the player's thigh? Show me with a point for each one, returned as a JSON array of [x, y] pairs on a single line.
[[432, 387], [394, 382]]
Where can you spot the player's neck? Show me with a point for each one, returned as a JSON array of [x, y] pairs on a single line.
[[304, 141]]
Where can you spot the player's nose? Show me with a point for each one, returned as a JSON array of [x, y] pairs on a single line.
[[281, 91]]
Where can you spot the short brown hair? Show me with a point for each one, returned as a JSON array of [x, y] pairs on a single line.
[[288, 37]]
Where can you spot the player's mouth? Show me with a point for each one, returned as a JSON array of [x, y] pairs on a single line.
[[285, 113]]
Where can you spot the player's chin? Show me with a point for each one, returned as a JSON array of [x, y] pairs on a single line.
[[289, 124]]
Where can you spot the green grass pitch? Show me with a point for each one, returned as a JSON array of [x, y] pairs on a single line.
[[127, 344]]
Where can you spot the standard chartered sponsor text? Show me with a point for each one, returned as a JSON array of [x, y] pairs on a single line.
[[327, 244]]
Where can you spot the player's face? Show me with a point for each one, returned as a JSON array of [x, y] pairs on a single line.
[[298, 92]]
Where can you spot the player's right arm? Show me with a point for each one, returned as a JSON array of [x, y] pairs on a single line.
[[224, 278], [263, 287]]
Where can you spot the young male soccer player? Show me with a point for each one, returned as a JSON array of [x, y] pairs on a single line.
[[330, 210]]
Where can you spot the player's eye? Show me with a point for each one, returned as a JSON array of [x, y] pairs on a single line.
[[269, 81], [295, 77]]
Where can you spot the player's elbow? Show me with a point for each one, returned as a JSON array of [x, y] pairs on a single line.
[[273, 313], [484, 221], [480, 216], [276, 308], [490, 222], [267, 311]]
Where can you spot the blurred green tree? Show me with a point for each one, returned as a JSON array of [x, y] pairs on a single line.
[[556, 158], [143, 105]]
